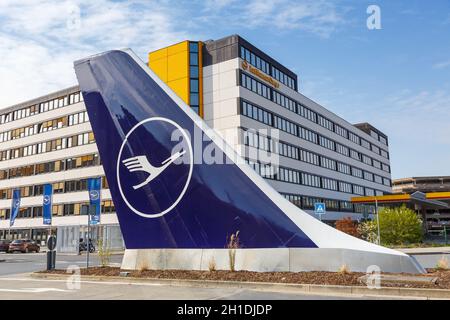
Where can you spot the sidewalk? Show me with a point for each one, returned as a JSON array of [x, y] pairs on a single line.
[[431, 250]]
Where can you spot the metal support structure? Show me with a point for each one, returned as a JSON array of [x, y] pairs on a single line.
[[378, 220]]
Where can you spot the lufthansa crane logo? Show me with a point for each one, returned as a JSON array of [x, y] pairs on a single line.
[[94, 194], [47, 199], [150, 180]]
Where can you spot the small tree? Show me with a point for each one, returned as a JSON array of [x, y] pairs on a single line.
[[399, 225], [348, 226], [104, 253]]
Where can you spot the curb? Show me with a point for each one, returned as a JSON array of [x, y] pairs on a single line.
[[305, 288]]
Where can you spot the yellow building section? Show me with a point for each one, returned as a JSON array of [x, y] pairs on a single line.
[[400, 197], [171, 65]]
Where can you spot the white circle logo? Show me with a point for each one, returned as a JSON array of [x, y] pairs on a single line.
[[139, 162], [94, 194], [46, 199]]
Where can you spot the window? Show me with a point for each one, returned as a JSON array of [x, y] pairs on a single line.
[[376, 164], [324, 122], [326, 143], [370, 192], [284, 101], [283, 78], [367, 160], [328, 163], [310, 180], [256, 113], [308, 135], [307, 113], [356, 172], [309, 157], [384, 154], [344, 168], [342, 149], [255, 86], [358, 190], [329, 184], [341, 131], [345, 187], [254, 60], [365, 144], [368, 176], [355, 155]]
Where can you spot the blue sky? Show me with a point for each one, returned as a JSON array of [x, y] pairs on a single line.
[[397, 78]]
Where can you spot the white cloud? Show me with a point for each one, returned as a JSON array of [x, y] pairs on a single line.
[[441, 65], [317, 17], [40, 39]]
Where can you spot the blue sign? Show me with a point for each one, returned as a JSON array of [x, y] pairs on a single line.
[[319, 208], [94, 188], [47, 204], [15, 206]]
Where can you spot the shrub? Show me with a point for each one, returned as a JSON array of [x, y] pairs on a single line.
[[104, 253], [368, 231], [212, 265], [399, 225], [232, 245], [348, 226], [442, 264], [344, 269]]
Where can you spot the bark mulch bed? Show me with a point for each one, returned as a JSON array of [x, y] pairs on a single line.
[[313, 277]]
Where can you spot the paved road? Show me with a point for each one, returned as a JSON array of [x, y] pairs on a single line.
[[15, 284], [15, 263], [24, 287]]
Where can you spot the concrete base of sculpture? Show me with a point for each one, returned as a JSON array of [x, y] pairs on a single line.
[[268, 260]]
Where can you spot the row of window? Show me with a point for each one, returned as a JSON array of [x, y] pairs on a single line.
[[307, 203], [194, 100], [68, 209], [45, 126], [271, 94], [265, 67], [52, 166], [307, 179], [41, 107], [48, 146], [268, 118], [58, 187], [253, 139]]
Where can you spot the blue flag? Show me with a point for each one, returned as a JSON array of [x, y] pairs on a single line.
[[94, 187], [15, 206], [47, 204]]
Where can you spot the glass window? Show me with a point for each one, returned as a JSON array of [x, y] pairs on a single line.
[[193, 59], [193, 46], [193, 73], [194, 85], [194, 99]]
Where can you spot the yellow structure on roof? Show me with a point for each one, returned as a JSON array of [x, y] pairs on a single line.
[[176, 65]]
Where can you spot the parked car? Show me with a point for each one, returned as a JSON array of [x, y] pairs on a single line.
[[24, 246], [4, 245]]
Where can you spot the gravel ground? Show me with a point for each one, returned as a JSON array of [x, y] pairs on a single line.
[[315, 277]]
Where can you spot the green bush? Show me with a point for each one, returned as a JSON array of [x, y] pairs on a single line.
[[399, 225]]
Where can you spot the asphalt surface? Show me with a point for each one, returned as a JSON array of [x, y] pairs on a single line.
[[17, 263], [16, 284]]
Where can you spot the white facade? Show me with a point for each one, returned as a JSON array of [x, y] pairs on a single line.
[[223, 93]]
